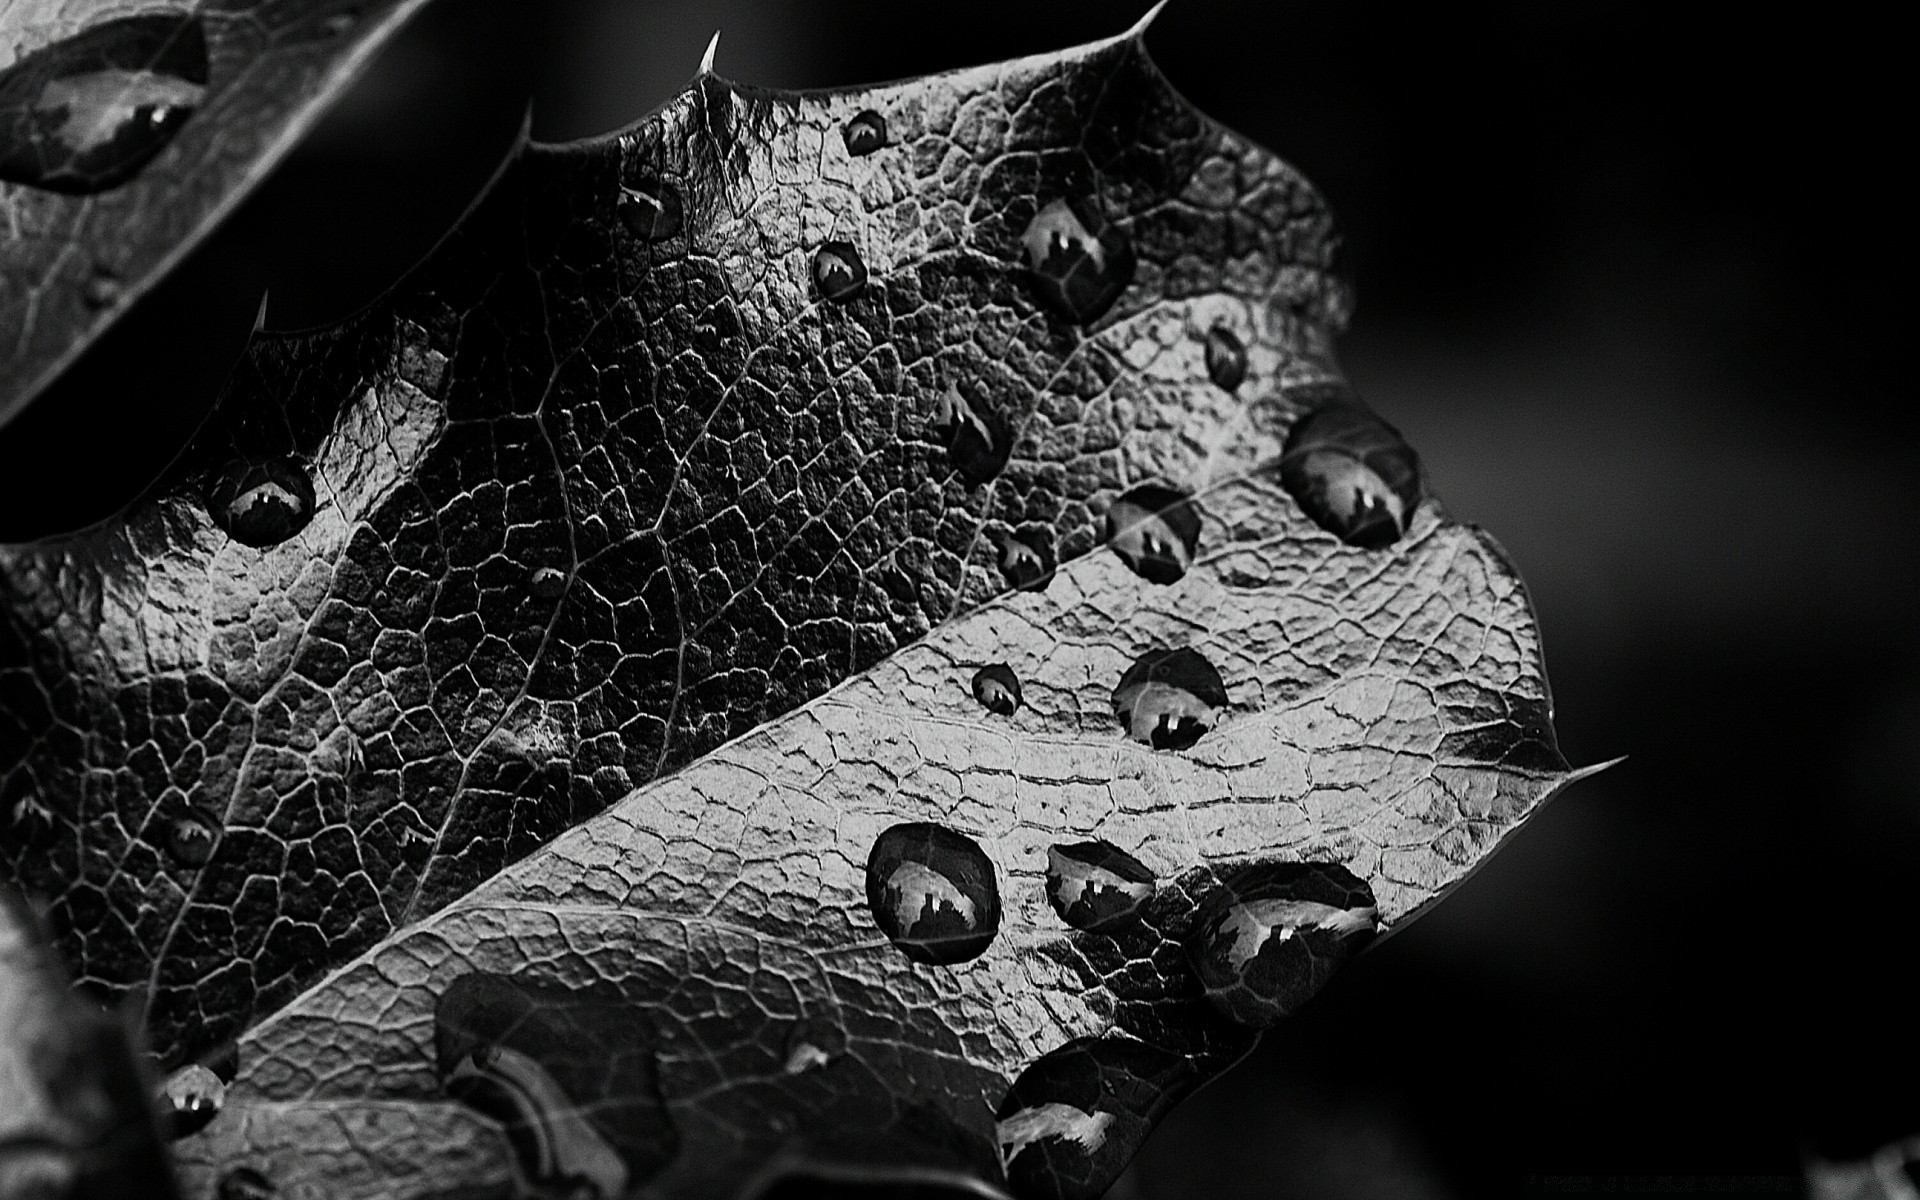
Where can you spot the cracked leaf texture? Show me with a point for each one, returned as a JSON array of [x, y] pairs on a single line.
[[640, 595]]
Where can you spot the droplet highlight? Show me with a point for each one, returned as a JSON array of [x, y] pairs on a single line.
[[977, 442], [864, 133], [997, 689], [1169, 698], [651, 210], [1073, 1119], [1077, 261], [262, 503], [1028, 560], [191, 1098], [838, 272], [1226, 358], [191, 840], [1353, 474], [1155, 531], [86, 113], [933, 893], [1096, 886], [1272, 934], [547, 583]]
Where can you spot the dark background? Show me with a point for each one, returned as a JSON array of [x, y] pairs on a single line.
[[1631, 279]]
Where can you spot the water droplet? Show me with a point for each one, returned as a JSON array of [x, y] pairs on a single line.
[[1078, 261], [997, 689], [1272, 934], [548, 583], [245, 1183], [1096, 885], [1353, 474], [865, 133], [191, 840], [29, 820], [838, 271], [191, 1097], [1169, 698], [86, 113], [978, 444], [102, 289], [651, 210], [262, 503], [1076, 1116], [1027, 559], [933, 892], [1226, 358], [1155, 531], [340, 22]]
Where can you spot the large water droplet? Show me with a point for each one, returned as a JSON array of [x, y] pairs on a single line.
[[1028, 560], [262, 503], [838, 271], [1272, 935], [192, 1097], [1078, 261], [1169, 698], [245, 1183], [1073, 1119], [86, 113], [997, 689], [1353, 474], [1154, 530], [191, 840], [651, 210], [933, 892], [1096, 885], [978, 444], [1226, 358], [865, 133]]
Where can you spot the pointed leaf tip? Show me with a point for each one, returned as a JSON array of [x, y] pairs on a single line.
[[713, 44], [1139, 29]]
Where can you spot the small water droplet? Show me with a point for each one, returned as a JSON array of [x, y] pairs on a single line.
[[262, 503], [838, 271], [1169, 698], [933, 893], [548, 583], [1226, 358], [1096, 885], [191, 840], [1027, 559], [30, 820], [1078, 261], [102, 289], [1075, 1117], [86, 113], [997, 689], [651, 210], [1272, 934], [1353, 474], [978, 444], [1155, 531], [191, 1097], [245, 1183], [865, 133]]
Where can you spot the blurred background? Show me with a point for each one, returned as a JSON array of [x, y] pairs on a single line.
[[1631, 279]]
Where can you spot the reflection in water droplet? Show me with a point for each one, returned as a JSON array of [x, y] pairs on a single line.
[[191, 840], [977, 443], [262, 504], [86, 113], [651, 210], [245, 1183], [1096, 885], [865, 133], [997, 689], [1155, 531], [29, 820], [1226, 358], [933, 893], [1078, 262], [1074, 1118], [1027, 559], [1353, 474], [1274, 933], [548, 582], [838, 271], [191, 1097], [1169, 698]]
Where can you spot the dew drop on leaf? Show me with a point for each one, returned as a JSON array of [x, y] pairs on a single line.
[[1352, 473], [102, 289], [1272, 934], [191, 840], [1226, 358], [838, 271], [29, 820], [1078, 262], [191, 1097], [933, 893], [87, 112], [1155, 531], [997, 689], [1027, 560], [651, 210], [245, 1183], [262, 503], [865, 133], [548, 582], [1096, 885], [977, 443], [1074, 1118], [1169, 698]]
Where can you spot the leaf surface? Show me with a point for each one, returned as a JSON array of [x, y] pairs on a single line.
[[493, 719]]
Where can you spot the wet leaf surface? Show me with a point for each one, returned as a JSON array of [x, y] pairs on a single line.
[[607, 735]]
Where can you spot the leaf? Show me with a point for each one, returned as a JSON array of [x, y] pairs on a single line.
[[547, 719], [125, 138]]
